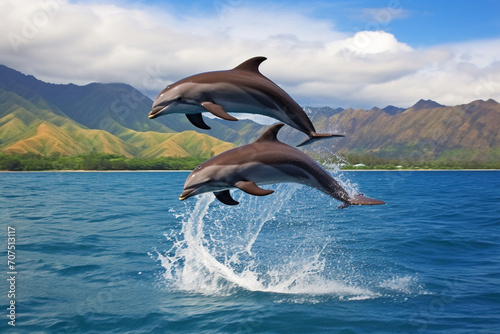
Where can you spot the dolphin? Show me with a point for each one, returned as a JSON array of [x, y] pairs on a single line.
[[240, 90], [265, 161]]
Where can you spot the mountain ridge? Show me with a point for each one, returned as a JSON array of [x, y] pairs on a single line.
[[466, 132], [112, 118], [34, 119]]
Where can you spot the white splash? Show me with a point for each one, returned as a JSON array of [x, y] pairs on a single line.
[[222, 249]]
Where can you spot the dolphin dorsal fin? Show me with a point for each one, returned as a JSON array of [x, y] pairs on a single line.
[[271, 133], [251, 64]]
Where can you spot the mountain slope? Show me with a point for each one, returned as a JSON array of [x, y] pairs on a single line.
[[184, 144], [115, 108], [26, 127], [465, 132], [110, 107], [47, 140]]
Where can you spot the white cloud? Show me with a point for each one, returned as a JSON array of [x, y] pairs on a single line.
[[148, 47]]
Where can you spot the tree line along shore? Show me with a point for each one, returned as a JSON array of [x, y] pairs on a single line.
[[101, 161]]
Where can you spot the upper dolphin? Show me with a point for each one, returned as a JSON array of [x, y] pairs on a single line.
[[240, 90], [265, 161]]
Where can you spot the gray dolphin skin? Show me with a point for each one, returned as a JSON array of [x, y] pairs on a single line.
[[240, 90], [265, 161]]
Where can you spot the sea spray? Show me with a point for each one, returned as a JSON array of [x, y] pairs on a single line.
[[267, 244], [325, 152]]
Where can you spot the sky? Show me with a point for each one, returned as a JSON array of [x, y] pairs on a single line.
[[356, 53]]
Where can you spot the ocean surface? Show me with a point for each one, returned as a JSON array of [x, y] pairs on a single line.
[[117, 252]]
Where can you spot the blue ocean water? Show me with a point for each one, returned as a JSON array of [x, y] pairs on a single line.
[[106, 252]]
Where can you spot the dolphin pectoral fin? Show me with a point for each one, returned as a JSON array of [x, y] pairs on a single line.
[[225, 197], [317, 136], [218, 111], [361, 199], [197, 120], [252, 188]]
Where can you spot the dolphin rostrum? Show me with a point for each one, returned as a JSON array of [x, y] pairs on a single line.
[[265, 161], [240, 90]]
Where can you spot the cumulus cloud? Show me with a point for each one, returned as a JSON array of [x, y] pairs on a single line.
[[149, 47]]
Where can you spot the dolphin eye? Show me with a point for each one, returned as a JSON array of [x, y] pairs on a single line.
[[179, 98]]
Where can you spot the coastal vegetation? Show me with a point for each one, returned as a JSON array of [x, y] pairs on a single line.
[[93, 161], [102, 161], [367, 162]]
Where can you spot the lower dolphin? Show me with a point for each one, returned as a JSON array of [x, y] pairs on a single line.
[[265, 161]]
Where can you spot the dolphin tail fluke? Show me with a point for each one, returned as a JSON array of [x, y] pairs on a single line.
[[318, 136], [360, 199]]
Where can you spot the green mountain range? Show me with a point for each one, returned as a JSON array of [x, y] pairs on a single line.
[[427, 131], [47, 119], [50, 119]]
